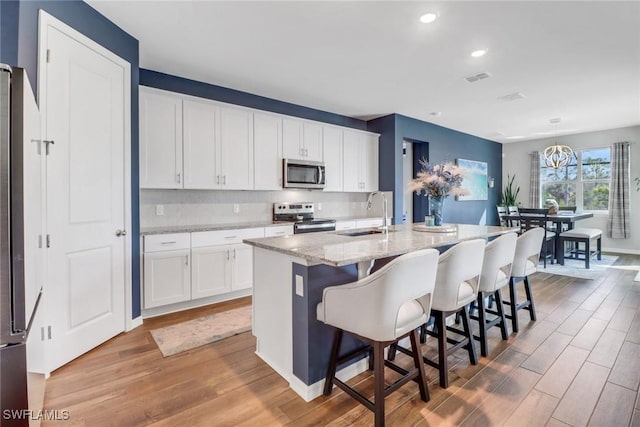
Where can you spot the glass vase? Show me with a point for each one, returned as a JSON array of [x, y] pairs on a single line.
[[435, 209]]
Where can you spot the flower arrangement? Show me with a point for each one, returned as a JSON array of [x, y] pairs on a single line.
[[439, 180]]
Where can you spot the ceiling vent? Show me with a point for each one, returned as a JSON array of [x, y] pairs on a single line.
[[476, 77], [511, 97], [555, 120]]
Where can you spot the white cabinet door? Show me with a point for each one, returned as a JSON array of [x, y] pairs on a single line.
[[279, 230], [236, 149], [345, 225], [332, 147], [292, 139], [267, 146], [167, 277], [209, 271], [312, 141], [241, 265], [351, 161], [369, 162], [160, 139], [360, 160], [200, 144]]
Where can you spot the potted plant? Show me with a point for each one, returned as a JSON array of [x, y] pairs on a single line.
[[509, 196]]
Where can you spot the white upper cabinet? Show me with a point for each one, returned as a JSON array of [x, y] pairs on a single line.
[[301, 140], [332, 146], [201, 120], [160, 139], [267, 159], [196, 143], [360, 159], [236, 149], [312, 141]]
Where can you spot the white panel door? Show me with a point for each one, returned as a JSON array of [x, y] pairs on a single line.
[[312, 141], [167, 277], [267, 149], [241, 265], [84, 96], [209, 271], [351, 161], [292, 139], [369, 162], [160, 139], [332, 147], [200, 124], [236, 149]]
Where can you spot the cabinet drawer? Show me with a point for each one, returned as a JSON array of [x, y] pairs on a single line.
[[280, 230], [345, 225], [224, 237], [167, 242]]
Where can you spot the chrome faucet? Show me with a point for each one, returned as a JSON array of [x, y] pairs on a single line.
[[385, 226]]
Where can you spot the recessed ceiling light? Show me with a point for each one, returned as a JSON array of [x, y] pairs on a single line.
[[435, 113], [428, 17], [478, 53]]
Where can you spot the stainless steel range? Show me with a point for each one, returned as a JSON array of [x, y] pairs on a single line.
[[301, 214]]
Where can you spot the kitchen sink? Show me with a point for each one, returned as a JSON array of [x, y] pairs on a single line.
[[355, 233]]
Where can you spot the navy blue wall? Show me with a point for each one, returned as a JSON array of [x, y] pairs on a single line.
[[20, 48], [444, 145], [204, 90]]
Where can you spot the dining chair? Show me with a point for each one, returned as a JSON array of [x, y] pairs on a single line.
[[380, 310], [502, 212], [525, 263], [496, 272], [538, 218]]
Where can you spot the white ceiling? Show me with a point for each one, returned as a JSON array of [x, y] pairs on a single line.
[[579, 61]]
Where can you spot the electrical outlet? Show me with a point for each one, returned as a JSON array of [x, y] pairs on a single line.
[[159, 210], [236, 208], [299, 286], [319, 205]]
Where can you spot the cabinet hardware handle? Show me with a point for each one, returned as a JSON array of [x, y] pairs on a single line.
[[121, 233], [228, 254], [230, 237], [217, 179], [234, 254], [186, 259], [168, 243], [224, 179], [178, 178]]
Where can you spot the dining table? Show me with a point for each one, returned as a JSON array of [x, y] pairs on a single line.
[[559, 219]]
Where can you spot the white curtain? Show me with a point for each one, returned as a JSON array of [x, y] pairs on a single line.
[[618, 224], [534, 180]]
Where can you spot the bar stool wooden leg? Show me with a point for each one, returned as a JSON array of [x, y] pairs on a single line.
[[482, 324], [513, 304], [378, 372], [418, 363], [471, 348], [443, 363], [503, 319], [532, 307], [333, 361]]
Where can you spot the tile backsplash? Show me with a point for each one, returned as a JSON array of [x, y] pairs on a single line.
[[197, 207]]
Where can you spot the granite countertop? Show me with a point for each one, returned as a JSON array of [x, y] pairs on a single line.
[[144, 231], [337, 249]]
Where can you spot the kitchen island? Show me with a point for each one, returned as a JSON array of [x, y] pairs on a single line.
[[290, 274]]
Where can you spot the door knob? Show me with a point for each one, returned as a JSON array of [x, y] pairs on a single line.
[[121, 233]]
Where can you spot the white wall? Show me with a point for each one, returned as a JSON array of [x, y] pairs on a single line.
[[516, 161]]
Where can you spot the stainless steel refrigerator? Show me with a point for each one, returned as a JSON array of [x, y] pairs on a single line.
[[18, 303]]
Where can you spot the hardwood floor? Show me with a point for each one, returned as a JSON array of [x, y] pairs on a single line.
[[577, 365]]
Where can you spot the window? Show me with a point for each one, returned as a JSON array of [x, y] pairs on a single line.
[[584, 182]]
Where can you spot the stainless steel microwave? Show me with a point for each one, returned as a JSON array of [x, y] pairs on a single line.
[[303, 174]]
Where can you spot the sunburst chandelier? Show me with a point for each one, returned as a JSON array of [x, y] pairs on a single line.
[[557, 156]]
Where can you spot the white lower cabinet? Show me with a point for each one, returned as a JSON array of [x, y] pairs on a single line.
[[188, 266], [167, 277], [209, 271]]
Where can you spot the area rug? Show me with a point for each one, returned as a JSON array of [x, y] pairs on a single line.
[[204, 330], [575, 268]]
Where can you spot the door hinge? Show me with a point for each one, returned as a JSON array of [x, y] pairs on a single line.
[[48, 55], [48, 241]]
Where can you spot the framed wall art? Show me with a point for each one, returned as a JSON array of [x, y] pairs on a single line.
[[475, 180]]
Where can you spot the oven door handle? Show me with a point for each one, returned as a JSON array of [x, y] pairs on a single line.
[[329, 225], [321, 175]]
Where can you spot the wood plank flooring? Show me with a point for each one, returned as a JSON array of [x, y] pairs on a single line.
[[577, 365]]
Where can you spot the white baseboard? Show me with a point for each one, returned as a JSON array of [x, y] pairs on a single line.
[[621, 251], [186, 305], [133, 323], [310, 392]]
